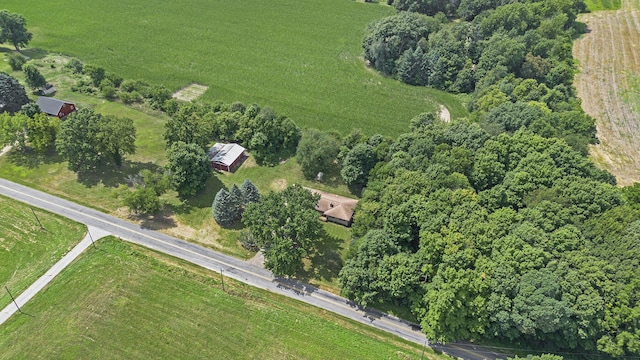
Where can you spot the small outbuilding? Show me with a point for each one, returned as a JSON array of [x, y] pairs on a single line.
[[48, 89], [55, 107], [226, 157], [335, 208]]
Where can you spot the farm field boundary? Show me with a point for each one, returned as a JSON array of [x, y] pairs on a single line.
[[609, 86]]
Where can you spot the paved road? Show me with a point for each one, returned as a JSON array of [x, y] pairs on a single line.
[[25, 296], [233, 268]]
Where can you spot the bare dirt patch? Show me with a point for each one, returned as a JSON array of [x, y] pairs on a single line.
[[445, 115], [5, 150], [279, 184], [190, 92], [609, 58]]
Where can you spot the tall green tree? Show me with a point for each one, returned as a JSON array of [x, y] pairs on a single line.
[[78, 141], [33, 77], [87, 139], [316, 152], [12, 94], [250, 192], [236, 202], [388, 38], [13, 130], [42, 130], [13, 28], [117, 137], [357, 164], [221, 209], [190, 125], [285, 224], [189, 166], [158, 181]]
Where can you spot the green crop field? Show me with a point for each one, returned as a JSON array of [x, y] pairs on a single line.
[[301, 58], [122, 301], [27, 251]]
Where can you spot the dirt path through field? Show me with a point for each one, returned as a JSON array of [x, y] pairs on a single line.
[[609, 86]]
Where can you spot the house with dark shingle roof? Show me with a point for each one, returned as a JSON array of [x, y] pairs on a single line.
[[55, 107]]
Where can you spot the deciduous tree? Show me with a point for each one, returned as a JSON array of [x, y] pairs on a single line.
[[13, 28], [42, 130], [33, 77], [285, 224], [189, 166], [317, 152], [12, 94], [86, 139]]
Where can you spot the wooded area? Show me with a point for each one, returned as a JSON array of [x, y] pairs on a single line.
[[500, 227]]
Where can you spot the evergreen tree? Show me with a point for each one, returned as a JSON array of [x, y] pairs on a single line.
[[221, 206], [236, 202], [250, 192]]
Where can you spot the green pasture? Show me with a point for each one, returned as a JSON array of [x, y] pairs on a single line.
[[123, 301], [303, 59], [595, 5], [27, 251]]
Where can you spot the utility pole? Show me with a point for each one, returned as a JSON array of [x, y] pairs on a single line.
[[14, 300], [34, 214], [222, 279]]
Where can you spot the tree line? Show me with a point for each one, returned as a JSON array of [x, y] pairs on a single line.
[[499, 52]]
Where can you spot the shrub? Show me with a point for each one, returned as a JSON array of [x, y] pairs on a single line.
[[130, 97], [108, 92], [96, 73], [16, 61], [76, 66], [115, 79], [248, 241]]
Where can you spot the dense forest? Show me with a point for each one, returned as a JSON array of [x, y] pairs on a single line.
[[496, 227]]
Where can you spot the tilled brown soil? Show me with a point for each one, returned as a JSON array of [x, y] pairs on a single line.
[[609, 58]]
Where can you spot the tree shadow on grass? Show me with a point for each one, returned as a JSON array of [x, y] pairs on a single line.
[[34, 53], [203, 199], [331, 177], [29, 159], [155, 222], [112, 176], [325, 259]]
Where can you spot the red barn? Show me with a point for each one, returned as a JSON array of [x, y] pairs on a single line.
[[55, 107], [226, 156]]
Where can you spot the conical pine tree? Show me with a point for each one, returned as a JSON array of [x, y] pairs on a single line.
[[250, 192], [221, 209], [236, 202]]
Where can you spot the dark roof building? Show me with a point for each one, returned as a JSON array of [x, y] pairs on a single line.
[[55, 107]]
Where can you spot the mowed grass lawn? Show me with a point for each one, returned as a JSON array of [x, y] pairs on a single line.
[[302, 58], [122, 301], [27, 251]]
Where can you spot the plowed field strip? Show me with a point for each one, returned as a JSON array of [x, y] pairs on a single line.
[[609, 86]]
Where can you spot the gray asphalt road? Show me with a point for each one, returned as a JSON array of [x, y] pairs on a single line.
[[234, 268]]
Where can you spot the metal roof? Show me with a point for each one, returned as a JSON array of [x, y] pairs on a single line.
[[225, 154], [50, 106]]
